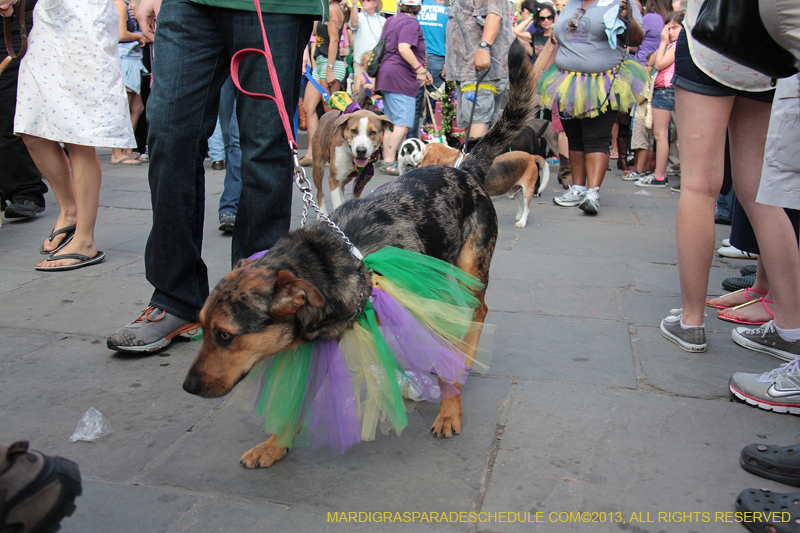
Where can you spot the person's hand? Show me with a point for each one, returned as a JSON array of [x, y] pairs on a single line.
[[665, 34], [429, 80], [142, 40], [330, 77], [7, 8], [147, 14], [483, 59], [623, 10], [422, 77]]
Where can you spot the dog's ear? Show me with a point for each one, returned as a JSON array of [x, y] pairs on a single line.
[[340, 123], [387, 124], [291, 294]]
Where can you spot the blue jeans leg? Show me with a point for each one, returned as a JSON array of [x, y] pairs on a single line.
[[191, 63], [216, 144], [229, 201], [435, 66]]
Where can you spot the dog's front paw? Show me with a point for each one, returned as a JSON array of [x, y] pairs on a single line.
[[446, 425], [263, 456], [520, 224]]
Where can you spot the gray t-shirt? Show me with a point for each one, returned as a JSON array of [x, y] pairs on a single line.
[[586, 48]]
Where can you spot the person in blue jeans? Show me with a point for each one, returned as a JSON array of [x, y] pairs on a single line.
[[229, 124], [433, 20], [193, 47]]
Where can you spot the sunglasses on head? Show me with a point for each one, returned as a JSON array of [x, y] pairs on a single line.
[[572, 23]]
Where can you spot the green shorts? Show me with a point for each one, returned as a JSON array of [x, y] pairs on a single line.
[[339, 69]]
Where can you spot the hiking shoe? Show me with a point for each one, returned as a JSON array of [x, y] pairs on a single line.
[[36, 490], [591, 202], [735, 253], [571, 198], [651, 181], [691, 340], [737, 284], [777, 390], [23, 209], [766, 339], [226, 222], [635, 175], [152, 331]]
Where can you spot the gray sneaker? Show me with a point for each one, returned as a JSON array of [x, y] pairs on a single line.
[[691, 340], [571, 198], [778, 390], [152, 331], [651, 182], [766, 339], [635, 175], [226, 222], [591, 202]]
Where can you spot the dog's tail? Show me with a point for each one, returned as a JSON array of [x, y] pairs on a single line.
[[513, 119], [544, 175]]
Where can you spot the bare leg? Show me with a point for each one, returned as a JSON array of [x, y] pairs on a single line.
[[578, 164], [661, 118], [85, 184], [52, 162], [702, 122], [391, 142], [614, 135], [596, 165], [311, 100], [478, 130]]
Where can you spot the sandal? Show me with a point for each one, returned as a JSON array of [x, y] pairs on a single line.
[[769, 511], [764, 302], [773, 462], [390, 168], [68, 231], [746, 291]]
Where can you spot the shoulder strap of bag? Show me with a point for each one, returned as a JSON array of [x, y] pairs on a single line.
[[19, 11]]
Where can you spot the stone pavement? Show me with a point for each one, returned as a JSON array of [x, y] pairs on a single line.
[[585, 407]]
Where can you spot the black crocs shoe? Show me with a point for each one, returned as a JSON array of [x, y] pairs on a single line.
[[768, 511], [781, 464], [737, 284], [36, 491]]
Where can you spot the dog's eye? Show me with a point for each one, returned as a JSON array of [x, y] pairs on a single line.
[[354, 132], [224, 338], [372, 133]]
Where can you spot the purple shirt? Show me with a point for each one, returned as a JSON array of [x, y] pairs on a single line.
[[652, 23], [395, 74]]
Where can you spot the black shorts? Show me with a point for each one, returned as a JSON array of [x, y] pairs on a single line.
[[590, 135]]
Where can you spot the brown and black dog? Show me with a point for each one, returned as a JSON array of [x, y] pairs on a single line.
[[509, 173], [346, 141], [309, 285]]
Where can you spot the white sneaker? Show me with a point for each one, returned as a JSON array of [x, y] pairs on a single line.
[[735, 253], [726, 242], [591, 202], [571, 198]]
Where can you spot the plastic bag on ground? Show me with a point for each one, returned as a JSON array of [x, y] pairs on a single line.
[[92, 427]]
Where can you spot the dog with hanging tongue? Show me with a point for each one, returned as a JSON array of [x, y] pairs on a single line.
[[350, 142], [337, 332]]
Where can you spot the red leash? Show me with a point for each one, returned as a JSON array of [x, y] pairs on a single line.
[[273, 76]]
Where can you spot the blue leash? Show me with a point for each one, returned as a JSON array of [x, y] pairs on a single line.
[[316, 84]]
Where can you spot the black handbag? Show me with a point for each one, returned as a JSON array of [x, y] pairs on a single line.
[[734, 29], [375, 58]]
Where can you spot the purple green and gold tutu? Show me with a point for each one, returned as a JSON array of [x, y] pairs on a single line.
[[404, 344], [579, 94]]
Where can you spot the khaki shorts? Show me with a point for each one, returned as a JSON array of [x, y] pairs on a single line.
[[780, 174], [641, 137], [487, 110]]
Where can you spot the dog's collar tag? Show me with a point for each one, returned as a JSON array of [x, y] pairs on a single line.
[[356, 252]]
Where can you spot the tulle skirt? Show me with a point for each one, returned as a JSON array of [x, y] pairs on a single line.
[[585, 95]]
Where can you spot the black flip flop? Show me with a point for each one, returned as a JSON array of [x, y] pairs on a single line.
[[84, 261], [781, 464], [68, 230], [769, 509]]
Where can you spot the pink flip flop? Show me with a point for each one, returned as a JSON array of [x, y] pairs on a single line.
[[764, 302], [746, 291]]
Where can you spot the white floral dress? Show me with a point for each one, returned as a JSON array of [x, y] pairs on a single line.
[[71, 87]]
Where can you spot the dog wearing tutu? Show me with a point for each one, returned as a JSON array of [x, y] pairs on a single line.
[[331, 334]]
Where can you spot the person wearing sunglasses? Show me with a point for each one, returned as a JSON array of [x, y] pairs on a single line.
[[591, 80], [535, 26]]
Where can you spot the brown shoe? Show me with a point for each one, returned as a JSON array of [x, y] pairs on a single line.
[[36, 491], [218, 165]]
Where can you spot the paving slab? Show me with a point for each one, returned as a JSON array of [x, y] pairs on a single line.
[[597, 449], [558, 268]]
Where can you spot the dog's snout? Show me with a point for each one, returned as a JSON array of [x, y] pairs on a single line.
[[361, 151], [191, 384]]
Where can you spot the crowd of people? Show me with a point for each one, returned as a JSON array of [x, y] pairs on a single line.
[[611, 69]]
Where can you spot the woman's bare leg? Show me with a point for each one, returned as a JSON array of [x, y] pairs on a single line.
[[661, 118], [391, 142], [702, 123], [311, 100], [86, 180]]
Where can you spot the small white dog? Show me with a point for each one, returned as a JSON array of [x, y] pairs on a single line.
[[410, 153]]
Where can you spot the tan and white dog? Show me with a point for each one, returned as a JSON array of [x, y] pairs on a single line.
[[346, 142]]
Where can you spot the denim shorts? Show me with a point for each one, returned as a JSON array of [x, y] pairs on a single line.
[[664, 98], [689, 77], [399, 108]]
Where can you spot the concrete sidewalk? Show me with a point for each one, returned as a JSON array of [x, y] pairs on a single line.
[[585, 407]]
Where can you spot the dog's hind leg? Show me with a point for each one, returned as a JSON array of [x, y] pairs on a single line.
[[265, 454], [474, 259], [317, 173], [523, 207]]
